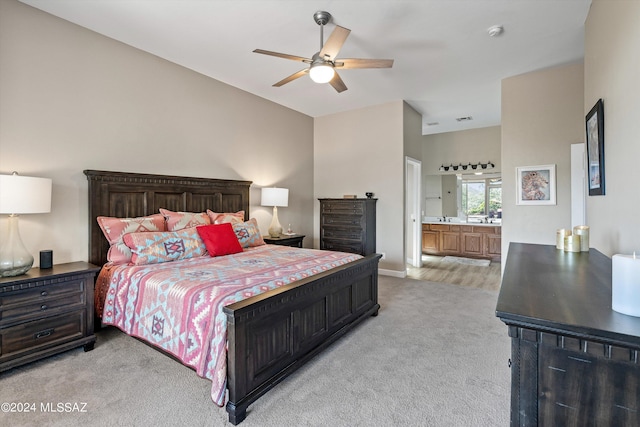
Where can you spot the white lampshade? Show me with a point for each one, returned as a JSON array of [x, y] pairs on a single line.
[[20, 195], [24, 194], [272, 196], [321, 73]]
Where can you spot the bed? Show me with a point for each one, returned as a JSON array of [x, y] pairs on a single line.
[[268, 335]]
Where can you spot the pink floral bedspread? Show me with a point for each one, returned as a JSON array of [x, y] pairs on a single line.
[[177, 305]]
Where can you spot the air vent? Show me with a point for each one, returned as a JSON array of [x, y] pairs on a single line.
[[464, 119], [433, 124]]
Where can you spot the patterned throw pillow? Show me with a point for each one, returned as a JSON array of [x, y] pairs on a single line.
[[248, 233], [154, 248], [219, 239], [114, 230], [179, 220], [221, 218]]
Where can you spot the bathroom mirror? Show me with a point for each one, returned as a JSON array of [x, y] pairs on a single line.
[[474, 197]]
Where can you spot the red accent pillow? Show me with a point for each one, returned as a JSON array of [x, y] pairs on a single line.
[[219, 239]]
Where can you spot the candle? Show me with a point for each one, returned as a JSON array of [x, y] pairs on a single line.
[[560, 235], [583, 232], [625, 284], [572, 243]]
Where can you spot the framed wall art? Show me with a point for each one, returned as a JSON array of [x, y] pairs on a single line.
[[536, 185], [595, 149]]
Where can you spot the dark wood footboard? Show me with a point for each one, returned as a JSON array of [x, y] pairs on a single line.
[[273, 334]]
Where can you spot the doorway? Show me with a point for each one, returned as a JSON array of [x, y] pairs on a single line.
[[413, 223]]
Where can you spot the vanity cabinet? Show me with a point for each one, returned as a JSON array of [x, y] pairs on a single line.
[[473, 241]]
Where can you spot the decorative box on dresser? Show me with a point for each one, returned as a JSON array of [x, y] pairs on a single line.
[[348, 225], [574, 361], [45, 312]]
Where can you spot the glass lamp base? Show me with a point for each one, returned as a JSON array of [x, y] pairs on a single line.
[[14, 257]]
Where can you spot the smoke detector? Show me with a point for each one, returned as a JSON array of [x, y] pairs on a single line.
[[495, 30]]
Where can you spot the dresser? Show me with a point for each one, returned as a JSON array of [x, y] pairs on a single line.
[[574, 361], [348, 225], [45, 312]]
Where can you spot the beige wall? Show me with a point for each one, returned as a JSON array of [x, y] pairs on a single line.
[[612, 70], [542, 115], [473, 145], [359, 151], [71, 99]]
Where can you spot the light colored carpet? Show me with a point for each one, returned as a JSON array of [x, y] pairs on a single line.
[[467, 261], [436, 355]]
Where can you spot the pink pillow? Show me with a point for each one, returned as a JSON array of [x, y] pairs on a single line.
[[248, 233], [219, 239], [115, 228], [179, 220], [220, 218], [164, 246]]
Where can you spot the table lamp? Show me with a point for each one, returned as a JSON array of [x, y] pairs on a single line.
[[20, 195], [272, 196]]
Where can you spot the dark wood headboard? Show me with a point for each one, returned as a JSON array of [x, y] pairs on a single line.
[[128, 195]]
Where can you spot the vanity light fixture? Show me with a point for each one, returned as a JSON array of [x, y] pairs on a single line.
[[466, 166]]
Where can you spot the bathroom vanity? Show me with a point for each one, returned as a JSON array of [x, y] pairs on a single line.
[[472, 240]]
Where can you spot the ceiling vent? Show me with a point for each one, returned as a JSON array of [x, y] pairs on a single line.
[[464, 119]]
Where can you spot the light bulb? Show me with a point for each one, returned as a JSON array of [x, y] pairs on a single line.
[[321, 73]]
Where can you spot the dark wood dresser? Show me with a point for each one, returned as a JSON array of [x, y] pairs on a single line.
[[348, 225], [45, 312], [574, 361]]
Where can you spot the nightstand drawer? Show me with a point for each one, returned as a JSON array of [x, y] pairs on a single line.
[[39, 306], [49, 331], [41, 292]]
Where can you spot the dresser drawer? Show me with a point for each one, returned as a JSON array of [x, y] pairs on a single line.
[[342, 233], [345, 207], [342, 246], [41, 333], [333, 219]]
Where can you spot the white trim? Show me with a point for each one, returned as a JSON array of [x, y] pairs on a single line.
[[393, 273]]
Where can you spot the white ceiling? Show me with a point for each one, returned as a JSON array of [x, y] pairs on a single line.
[[446, 65]]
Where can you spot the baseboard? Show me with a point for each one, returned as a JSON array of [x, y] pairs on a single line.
[[393, 273]]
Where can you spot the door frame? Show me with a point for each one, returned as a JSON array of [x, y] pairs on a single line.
[[413, 222]]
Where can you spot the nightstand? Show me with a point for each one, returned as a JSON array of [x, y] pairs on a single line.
[[45, 312], [294, 240]]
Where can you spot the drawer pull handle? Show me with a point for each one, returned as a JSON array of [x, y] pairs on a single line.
[[44, 293], [43, 307], [44, 334]]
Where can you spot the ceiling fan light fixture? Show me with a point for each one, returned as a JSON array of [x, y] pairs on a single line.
[[321, 72]]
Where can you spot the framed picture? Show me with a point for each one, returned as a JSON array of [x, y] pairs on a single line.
[[595, 149], [536, 185]]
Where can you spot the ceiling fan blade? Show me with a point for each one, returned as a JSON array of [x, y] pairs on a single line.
[[337, 83], [363, 63], [283, 55], [292, 77], [334, 43]]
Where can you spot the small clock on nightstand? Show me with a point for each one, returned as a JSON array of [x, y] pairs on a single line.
[[294, 240]]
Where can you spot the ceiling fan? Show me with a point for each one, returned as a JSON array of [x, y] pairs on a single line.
[[323, 64]]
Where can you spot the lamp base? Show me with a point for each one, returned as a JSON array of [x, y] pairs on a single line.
[[275, 229], [14, 257]]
